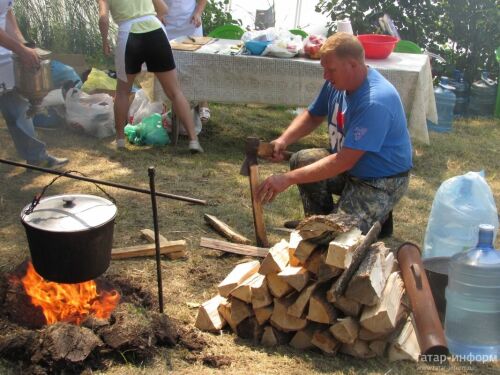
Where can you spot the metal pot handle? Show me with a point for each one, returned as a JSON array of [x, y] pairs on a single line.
[[36, 198]]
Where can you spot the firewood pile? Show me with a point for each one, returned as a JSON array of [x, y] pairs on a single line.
[[327, 287]]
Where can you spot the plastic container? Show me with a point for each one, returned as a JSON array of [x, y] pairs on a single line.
[[256, 47], [461, 93], [407, 46], [377, 46], [472, 322], [460, 205], [483, 96], [300, 32], [445, 103]]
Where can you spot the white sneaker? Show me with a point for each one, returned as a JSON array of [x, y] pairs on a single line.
[[195, 147], [119, 143]]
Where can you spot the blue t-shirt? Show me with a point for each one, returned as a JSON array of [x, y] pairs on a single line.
[[371, 119]]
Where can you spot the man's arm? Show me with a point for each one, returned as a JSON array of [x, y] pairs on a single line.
[[323, 169], [13, 40], [302, 125], [198, 11], [104, 25]]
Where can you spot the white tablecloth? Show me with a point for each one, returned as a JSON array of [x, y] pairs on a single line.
[[215, 77]]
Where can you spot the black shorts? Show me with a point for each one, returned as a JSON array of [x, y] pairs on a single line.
[[151, 48]]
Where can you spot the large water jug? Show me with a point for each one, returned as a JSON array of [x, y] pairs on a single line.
[[460, 205], [483, 94], [472, 322], [461, 93], [445, 103]]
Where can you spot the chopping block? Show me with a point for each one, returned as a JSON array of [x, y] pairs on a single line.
[[255, 148]]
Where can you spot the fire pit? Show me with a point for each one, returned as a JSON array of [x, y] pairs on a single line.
[[49, 327]]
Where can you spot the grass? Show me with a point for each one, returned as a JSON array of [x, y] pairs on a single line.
[[214, 176]]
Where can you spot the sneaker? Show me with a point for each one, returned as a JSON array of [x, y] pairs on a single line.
[[387, 227], [195, 147], [291, 224], [49, 162], [119, 143], [204, 113]]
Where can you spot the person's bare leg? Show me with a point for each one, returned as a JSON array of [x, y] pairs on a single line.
[[170, 85], [122, 104]]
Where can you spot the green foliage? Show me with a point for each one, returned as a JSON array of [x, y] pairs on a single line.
[[215, 16], [69, 26], [464, 32]]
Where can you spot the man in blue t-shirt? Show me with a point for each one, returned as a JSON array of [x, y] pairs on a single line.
[[370, 150]]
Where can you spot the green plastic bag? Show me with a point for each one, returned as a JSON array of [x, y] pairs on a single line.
[[149, 131]]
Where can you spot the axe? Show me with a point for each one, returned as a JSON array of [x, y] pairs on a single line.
[[254, 148]]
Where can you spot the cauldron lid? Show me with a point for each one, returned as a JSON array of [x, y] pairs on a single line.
[[70, 213]]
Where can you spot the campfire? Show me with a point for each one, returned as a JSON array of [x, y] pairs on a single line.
[[71, 303]]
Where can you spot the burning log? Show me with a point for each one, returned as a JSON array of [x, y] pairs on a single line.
[[357, 310]]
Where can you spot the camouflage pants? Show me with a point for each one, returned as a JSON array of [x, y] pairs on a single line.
[[370, 200]]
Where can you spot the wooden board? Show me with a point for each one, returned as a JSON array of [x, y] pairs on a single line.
[[225, 230], [233, 247], [148, 250], [184, 46], [197, 40]]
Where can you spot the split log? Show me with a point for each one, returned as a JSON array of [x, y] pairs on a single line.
[[234, 248], [348, 306], [260, 293], [340, 250], [367, 335], [298, 307], [249, 329], [277, 286], [263, 314], [276, 260], [378, 347], [326, 342], [345, 330], [240, 311], [149, 235], [148, 250], [297, 277], [225, 311], [293, 243], [320, 310], [311, 234], [336, 223], [358, 349], [314, 262], [239, 273], [307, 246], [382, 316], [209, 319], [325, 271], [302, 339], [369, 280], [244, 290], [225, 230], [340, 285], [273, 337], [405, 346], [282, 320], [390, 333]]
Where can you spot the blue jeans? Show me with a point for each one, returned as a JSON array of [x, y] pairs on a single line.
[[13, 108]]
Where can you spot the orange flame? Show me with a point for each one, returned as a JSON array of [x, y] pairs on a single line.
[[70, 303]]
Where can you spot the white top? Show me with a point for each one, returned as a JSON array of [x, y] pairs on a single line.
[[178, 19]]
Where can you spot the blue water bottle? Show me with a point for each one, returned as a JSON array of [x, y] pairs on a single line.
[[445, 104], [472, 323]]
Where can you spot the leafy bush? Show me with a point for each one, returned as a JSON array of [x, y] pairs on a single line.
[[215, 16], [464, 32]]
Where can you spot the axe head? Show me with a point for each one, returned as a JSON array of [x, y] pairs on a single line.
[[251, 151]]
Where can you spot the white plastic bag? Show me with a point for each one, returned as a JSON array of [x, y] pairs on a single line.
[[460, 205], [142, 107], [285, 45], [93, 114]]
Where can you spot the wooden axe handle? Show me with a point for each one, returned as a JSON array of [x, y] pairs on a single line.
[[266, 150]]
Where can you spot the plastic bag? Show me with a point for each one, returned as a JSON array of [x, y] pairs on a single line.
[[285, 45], [460, 205], [149, 132], [61, 73], [93, 114], [99, 80], [142, 107], [196, 118]]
